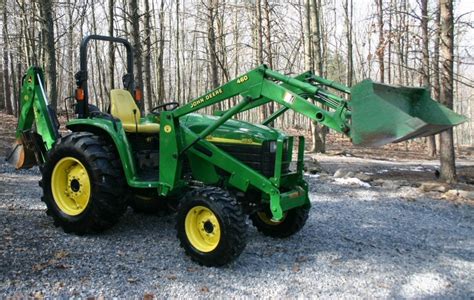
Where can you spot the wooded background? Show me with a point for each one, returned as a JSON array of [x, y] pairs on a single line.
[[184, 48]]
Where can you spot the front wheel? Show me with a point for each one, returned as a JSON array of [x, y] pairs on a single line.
[[211, 226], [292, 222]]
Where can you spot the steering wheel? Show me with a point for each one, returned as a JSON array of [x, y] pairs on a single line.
[[165, 106]]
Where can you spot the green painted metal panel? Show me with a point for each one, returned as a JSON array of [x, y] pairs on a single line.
[[34, 108], [117, 134], [235, 131], [170, 159]]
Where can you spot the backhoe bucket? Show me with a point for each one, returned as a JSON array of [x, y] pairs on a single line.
[[21, 157], [383, 114]]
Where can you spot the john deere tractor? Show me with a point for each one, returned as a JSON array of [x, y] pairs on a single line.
[[214, 170]]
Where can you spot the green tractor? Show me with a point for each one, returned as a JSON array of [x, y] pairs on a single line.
[[214, 170]]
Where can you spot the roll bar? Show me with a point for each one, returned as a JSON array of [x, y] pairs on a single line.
[[82, 92]]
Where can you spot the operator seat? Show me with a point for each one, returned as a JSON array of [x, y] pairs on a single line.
[[122, 106]]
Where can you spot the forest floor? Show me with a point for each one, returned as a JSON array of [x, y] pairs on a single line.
[[381, 225]]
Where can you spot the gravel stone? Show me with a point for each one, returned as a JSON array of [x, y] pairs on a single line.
[[358, 243]]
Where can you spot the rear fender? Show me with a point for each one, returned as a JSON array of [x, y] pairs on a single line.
[[114, 134]]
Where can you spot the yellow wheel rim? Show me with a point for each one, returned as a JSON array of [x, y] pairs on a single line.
[[71, 186], [202, 228], [268, 220]]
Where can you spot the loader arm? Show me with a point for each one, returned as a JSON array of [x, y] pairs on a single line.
[[257, 87], [261, 87], [299, 94], [32, 145]]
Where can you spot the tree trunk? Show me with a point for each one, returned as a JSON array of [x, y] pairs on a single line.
[[111, 46], [211, 39], [259, 40], [15, 86], [71, 51], [148, 87], [381, 46], [447, 156], [317, 132], [178, 66], [161, 48], [135, 22], [435, 80], [430, 141], [268, 36], [308, 57], [348, 22], [6, 72], [49, 47], [389, 42]]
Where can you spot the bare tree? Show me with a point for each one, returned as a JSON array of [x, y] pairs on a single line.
[[148, 50], [447, 156], [269, 51], [348, 10], [111, 45], [381, 46], [431, 142], [6, 71], [317, 132], [160, 84], [178, 60], [211, 40], [308, 57], [135, 22], [49, 46]]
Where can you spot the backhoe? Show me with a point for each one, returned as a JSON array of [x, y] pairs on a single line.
[[214, 170]]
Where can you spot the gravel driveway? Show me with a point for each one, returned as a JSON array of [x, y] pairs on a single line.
[[358, 242]]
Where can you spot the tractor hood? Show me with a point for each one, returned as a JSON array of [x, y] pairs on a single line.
[[232, 131]]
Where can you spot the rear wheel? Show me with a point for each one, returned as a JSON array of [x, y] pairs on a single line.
[[211, 226], [83, 184], [292, 222]]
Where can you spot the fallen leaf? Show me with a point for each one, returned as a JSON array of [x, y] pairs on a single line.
[[301, 259], [39, 267], [148, 296], [63, 266], [296, 268], [61, 254]]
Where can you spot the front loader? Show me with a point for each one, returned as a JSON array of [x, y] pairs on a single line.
[[214, 170]]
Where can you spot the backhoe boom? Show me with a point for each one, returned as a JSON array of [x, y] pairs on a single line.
[[31, 147]]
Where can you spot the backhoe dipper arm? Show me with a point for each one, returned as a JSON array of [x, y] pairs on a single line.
[[34, 110]]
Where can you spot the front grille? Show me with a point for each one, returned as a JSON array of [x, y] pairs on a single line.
[[257, 157]]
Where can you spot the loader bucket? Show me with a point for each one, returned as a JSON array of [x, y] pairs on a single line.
[[383, 114], [20, 156]]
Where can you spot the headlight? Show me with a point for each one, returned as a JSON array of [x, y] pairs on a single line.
[[273, 146]]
